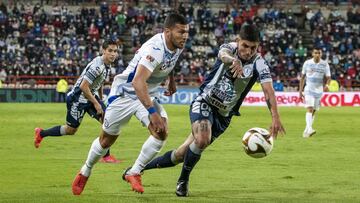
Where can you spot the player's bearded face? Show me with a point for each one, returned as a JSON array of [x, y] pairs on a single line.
[[247, 49], [178, 35]]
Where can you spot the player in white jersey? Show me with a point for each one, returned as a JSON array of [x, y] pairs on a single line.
[[86, 96], [236, 70], [315, 70], [135, 92]]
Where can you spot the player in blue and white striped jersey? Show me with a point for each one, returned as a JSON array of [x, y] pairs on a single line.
[[86, 96], [236, 70], [315, 70], [135, 93]]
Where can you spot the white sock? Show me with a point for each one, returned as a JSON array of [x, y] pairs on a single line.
[[95, 153], [62, 130], [149, 150], [309, 120]]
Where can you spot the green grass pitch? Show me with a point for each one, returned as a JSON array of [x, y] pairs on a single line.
[[324, 168]]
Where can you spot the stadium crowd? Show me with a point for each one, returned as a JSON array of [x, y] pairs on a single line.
[[62, 41]]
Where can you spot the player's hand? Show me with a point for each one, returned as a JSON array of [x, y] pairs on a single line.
[[171, 89], [99, 112], [157, 123], [276, 127], [236, 68]]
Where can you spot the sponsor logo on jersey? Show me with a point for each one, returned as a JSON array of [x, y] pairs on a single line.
[[150, 58]]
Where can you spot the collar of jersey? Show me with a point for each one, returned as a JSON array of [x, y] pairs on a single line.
[[106, 66]]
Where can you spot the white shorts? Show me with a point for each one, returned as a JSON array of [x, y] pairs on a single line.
[[120, 111], [311, 101]]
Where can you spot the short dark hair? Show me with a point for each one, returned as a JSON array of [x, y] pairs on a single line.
[[174, 18], [317, 48], [108, 42], [250, 32]]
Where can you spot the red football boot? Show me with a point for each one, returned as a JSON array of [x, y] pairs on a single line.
[[37, 137], [79, 184]]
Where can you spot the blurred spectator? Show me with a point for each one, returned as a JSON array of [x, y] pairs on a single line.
[[278, 85]]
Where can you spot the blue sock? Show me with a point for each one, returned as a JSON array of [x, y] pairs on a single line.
[[189, 163], [163, 161], [54, 131]]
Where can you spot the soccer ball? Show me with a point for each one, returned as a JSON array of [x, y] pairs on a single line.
[[257, 142]]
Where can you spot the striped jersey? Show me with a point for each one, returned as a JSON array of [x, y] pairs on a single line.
[[95, 73], [157, 58], [225, 93], [315, 73]]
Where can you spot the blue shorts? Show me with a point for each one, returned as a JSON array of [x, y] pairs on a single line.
[[76, 110], [200, 110]]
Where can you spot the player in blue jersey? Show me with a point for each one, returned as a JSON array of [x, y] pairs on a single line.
[[135, 93], [315, 70], [85, 97], [236, 70]]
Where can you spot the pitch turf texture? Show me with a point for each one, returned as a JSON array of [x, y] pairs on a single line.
[[324, 168]]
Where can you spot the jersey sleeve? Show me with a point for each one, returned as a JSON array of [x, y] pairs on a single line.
[[151, 57], [92, 72], [327, 70], [263, 69], [229, 46]]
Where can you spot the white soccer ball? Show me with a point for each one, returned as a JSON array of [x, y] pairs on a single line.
[[257, 142]]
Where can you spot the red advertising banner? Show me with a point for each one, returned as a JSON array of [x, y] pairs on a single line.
[[292, 99]]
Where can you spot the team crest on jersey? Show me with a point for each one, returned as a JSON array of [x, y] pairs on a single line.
[[247, 71], [150, 58]]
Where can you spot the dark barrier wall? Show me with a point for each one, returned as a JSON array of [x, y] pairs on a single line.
[[183, 95], [27, 95]]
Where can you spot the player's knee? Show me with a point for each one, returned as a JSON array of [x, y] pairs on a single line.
[[179, 156], [71, 131], [161, 135], [107, 140]]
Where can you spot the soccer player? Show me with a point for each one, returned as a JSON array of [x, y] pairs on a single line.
[[82, 98], [236, 70], [314, 70], [135, 92]]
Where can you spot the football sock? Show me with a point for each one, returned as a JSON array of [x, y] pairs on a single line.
[[54, 131], [309, 119], [192, 156], [150, 149], [164, 161], [95, 153]]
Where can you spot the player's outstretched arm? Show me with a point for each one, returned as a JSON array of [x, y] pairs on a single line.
[[141, 89], [276, 125]]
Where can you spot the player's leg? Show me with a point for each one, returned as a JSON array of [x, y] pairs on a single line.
[[97, 150], [201, 117], [117, 115], [309, 104], [150, 148], [202, 138], [107, 158], [74, 116], [171, 158]]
